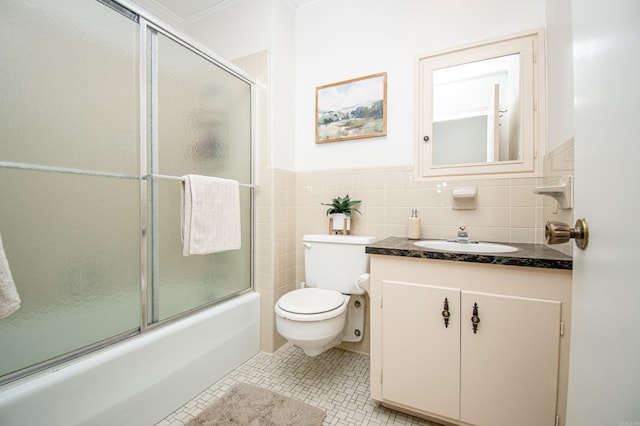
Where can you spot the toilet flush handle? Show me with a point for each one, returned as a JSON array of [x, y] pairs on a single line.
[[363, 282], [307, 245]]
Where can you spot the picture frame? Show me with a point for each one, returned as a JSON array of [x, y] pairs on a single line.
[[352, 109]]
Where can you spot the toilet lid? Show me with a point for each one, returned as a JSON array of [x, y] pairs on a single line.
[[311, 301]]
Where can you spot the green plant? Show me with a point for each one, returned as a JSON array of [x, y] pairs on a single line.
[[342, 205]]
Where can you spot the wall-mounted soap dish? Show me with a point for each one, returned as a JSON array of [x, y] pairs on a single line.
[[562, 192], [464, 198]]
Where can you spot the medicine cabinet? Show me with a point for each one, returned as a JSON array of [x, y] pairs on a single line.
[[481, 109]]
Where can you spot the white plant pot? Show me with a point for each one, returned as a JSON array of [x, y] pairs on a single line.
[[339, 224]]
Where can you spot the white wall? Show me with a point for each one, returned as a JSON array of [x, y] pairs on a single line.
[[238, 30], [282, 87], [559, 73], [338, 40]]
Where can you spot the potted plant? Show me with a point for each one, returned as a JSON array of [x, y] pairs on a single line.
[[340, 210]]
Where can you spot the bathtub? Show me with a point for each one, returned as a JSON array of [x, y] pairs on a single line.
[[143, 379]]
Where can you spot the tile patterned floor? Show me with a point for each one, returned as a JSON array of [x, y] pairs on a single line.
[[336, 381]]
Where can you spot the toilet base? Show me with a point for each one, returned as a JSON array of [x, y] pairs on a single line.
[[317, 350], [315, 338]]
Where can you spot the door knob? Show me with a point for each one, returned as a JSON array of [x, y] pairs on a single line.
[[559, 232]]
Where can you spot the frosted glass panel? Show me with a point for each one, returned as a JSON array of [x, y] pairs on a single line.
[[72, 243], [204, 127], [69, 98], [69, 92]]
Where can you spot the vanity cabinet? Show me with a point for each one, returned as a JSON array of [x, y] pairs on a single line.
[[430, 357]]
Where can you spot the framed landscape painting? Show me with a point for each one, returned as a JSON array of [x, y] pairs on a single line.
[[352, 109]]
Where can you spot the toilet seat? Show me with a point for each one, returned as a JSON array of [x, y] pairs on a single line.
[[311, 304]]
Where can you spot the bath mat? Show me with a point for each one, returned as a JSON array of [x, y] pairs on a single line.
[[250, 405]]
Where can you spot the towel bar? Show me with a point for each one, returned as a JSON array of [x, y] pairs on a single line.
[[66, 170], [247, 185]]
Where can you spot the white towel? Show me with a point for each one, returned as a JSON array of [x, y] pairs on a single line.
[[210, 215], [9, 299]]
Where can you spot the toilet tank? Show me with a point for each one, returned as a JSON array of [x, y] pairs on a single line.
[[335, 262]]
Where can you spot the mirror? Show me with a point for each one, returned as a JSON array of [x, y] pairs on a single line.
[[478, 109], [475, 112]]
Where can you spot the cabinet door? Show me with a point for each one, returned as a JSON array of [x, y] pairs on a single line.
[[509, 366], [420, 355]]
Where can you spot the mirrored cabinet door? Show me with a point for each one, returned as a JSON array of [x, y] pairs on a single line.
[[479, 109]]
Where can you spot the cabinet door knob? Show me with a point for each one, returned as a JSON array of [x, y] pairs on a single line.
[[445, 313], [475, 319]]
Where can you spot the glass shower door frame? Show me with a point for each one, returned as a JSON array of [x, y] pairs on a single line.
[[149, 32], [147, 132]]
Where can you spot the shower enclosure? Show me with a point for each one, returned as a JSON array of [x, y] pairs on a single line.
[[94, 101]]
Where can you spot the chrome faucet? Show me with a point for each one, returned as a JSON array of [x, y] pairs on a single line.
[[463, 235]]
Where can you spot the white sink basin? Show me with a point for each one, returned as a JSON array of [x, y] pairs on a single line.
[[473, 247]]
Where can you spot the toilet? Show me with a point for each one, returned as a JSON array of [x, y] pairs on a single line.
[[329, 309]]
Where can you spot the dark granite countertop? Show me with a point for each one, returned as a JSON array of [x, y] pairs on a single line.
[[531, 255]]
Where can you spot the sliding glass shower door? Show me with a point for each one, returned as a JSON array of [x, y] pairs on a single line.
[[68, 100], [203, 116], [93, 100]]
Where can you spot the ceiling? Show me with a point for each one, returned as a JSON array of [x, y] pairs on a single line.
[[187, 9]]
